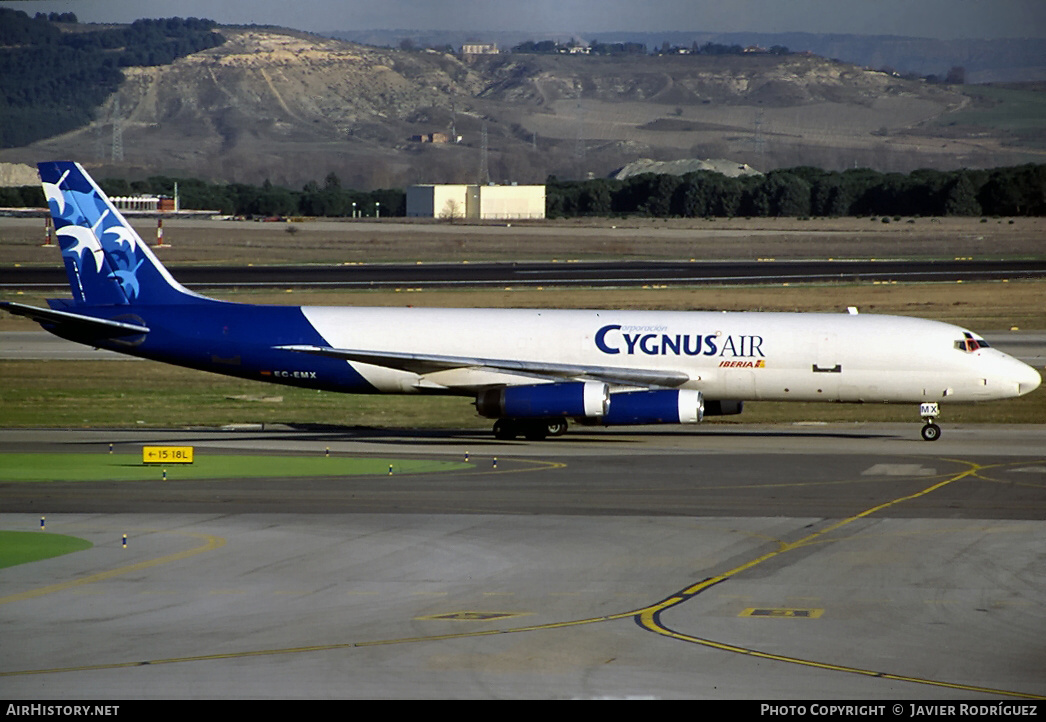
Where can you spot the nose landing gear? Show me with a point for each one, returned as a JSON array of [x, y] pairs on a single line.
[[931, 431]]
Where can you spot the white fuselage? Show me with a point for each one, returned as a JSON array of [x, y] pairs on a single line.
[[726, 355]]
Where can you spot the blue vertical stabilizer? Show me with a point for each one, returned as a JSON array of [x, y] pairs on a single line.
[[107, 262]]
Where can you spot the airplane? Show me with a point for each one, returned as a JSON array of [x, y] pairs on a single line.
[[530, 370]]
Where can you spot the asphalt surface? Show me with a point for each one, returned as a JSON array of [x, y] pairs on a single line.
[[630, 273], [767, 562]]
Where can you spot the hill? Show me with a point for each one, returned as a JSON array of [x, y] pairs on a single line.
[[291, 107], [984, 61], [53, 75]]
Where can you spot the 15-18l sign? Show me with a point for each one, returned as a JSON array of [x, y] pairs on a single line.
[[167, 454]]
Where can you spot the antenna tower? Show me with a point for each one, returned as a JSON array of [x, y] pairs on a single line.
[[484, 169], [759, 141], [117, 153], [579, 143]]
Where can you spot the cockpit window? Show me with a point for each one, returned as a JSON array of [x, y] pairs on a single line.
[[969, 344]]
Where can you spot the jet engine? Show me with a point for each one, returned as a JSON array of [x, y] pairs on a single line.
[[545, 401], [683, 406]]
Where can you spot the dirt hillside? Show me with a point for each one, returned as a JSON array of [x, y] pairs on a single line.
[[293, 107]]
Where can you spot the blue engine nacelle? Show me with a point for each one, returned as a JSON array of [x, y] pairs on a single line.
[[544, 401], [683, 406]]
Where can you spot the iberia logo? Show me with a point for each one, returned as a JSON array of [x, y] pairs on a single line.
[[761, 363]]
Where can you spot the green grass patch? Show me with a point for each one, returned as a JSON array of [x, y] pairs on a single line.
[[1022, 112], [129, 467], [144, 393], [122, 394], [21, 547]]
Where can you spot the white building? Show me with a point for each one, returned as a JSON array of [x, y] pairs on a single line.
[[494, 202], [479, 49], [436, 201], [146, 204]]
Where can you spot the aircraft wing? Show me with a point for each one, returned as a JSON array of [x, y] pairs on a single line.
[[75, 322], [429, 363]]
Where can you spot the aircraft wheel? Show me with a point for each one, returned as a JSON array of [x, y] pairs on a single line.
[[535, 431], [931, 432], [504, 430], [557, 427]]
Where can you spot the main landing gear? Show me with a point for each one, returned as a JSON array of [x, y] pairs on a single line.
[[929, 412], [529, 429]]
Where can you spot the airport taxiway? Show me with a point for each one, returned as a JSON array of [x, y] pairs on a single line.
[[574, 273], [774, 562]]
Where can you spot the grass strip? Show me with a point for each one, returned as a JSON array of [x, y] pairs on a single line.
[[129, 467], [21, 547], [109, 394]]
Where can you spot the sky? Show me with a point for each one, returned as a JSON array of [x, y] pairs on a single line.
[[946, 19]]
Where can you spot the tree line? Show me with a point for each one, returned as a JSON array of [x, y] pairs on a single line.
[[548, 47], [328, 199], [805, 192], [791, 192], [52, 82]]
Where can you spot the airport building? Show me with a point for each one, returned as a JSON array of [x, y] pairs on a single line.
[[476, 202], [146, 204]]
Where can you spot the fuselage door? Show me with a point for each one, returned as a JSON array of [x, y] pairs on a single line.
[[827, 367]]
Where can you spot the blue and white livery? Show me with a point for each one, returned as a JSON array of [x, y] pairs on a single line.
[[532, 370]]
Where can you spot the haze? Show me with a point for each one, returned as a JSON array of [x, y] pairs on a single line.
[[946, 19]]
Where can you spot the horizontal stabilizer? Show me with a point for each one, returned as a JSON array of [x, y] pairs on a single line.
[[428, 363], [75, 323]]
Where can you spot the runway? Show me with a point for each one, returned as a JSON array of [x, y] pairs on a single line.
[[569, 273], [753, 562]]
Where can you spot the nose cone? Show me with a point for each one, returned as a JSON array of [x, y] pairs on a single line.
[[1028, 379]]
